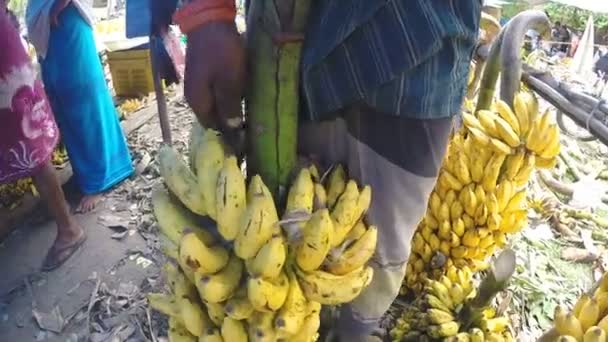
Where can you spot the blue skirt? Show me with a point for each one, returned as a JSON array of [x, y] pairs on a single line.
[[83, 108]]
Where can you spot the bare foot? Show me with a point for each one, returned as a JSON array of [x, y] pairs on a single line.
[[88, 203], [63, 248]]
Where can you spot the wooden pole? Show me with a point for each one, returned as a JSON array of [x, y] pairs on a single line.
[[161, 102]]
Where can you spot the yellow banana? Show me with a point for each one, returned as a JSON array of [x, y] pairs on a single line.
[[594, 334], [231, 198], [309, 328], [216, 312], [470, 121], [348, 210], [492, 172], [449, 180], [356, 255], [316, 241], [436, 303], [178, 333], [589, 314], [301, 193], [462, 169], [507, 133], [211, 335], [470, 238], [544, 163], [513, 163], [292, 314], [603, 323], [173, 218], [552, 147], [505, 112], [445, 231], [194, 319], [164, 303], [180, 179], [209, 160], [434, 204], [198, 257], [486, 119], [261, 327], [437, 316], [258, 224], [443, 330], [516, 201], [239, 307], [335, 185], [458, 227], [476, 335], [268, 295], [525, 171], [567, 324], [457, 293], [504, 192], [479, 136], [456, 210], [495, 325], [536, 135], [439, 290], [481, 215], [233, 330], [314, 173], [521, 111], [358, 230], [500, 147], [330, 289], [269, 260], [258, 191], [218, 287]]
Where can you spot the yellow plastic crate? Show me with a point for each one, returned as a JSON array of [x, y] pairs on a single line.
[[131, 72]]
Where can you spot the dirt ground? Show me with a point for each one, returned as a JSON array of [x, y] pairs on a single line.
[[98, 294]]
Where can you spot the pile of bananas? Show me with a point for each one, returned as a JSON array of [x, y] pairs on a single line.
[[437, 314], [588, 320], [480, 195], [128, 107], [11, 194], [258, 276]]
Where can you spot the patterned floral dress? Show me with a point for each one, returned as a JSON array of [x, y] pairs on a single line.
[[28, 133]]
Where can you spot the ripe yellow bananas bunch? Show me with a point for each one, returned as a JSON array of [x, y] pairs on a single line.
[[588, 319], [480, 198], [434, 316], [256, 276]]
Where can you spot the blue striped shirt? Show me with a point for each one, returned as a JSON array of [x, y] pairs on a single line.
[[402, 57]]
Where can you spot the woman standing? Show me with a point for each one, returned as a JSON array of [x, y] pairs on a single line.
[[29, 136], [74, 80]]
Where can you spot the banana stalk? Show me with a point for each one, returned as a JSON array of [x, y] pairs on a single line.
[[272, 100], [504, 55], [495, 281]]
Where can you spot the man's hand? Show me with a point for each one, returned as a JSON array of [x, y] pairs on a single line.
[[58, 6], [215, 77]]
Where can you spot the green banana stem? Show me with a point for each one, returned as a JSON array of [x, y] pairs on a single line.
[[495, 281], [505, 56], [272, 93]]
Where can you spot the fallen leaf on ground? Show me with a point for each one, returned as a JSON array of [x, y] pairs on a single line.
[[578, 255]]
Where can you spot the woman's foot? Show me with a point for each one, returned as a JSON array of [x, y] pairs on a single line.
[[68, 240], [88, 203]]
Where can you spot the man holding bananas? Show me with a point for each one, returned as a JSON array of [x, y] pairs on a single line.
[[381, 81]]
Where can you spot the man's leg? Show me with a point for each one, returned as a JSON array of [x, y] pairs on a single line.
[[69, 233], [399, 158]]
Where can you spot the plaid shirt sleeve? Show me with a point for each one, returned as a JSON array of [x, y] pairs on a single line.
[[402, 57]]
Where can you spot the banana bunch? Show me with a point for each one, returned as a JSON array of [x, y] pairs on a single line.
[[480, 197], [256, 275], [11, 194], [588, 319], [436, 314]]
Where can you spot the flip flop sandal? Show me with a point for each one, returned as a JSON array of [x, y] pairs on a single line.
[[56, 257]]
